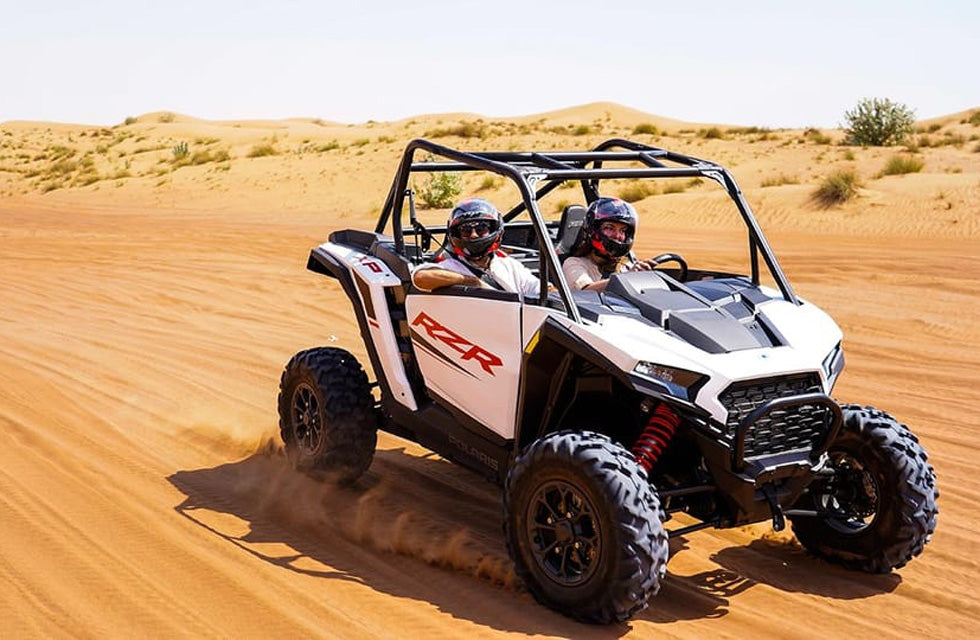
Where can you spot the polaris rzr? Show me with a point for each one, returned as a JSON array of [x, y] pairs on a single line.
[[701, 389]]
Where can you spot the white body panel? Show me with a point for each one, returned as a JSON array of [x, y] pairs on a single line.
[[810, 332], [469, 352], [376, 276]]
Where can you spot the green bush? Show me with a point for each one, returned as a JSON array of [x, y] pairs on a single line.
[[837, 188], [974, 119], [441, 190], [902, 164], [180, 151], [878, 122]]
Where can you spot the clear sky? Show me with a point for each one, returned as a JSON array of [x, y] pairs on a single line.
[[763, 63]]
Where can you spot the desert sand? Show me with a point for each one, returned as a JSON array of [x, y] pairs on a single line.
[[153, 284]]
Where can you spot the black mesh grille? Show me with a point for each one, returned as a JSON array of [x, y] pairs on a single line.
[[797, 428]]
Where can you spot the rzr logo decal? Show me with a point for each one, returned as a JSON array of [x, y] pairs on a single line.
[[371, 264], [466, 349]]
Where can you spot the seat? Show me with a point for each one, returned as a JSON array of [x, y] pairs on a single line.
[[572, 218]]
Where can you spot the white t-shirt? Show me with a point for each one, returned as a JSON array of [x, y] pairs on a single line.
[[581, 271], [510, 274]]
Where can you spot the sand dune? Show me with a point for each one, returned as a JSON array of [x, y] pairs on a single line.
[[146, 318]]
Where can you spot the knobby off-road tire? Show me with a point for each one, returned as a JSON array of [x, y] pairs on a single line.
[[584, 527], [326, 415], [886, 485]]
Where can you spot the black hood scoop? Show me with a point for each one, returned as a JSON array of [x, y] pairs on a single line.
[[716, 316]]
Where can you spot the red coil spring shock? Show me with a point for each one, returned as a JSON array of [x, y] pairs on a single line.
[[658, 432]]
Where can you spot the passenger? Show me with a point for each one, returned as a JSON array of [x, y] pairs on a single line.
[[604, 246], [474, 230]]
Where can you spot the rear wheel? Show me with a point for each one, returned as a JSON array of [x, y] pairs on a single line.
[[584, 527], [877, 509], [326, 415]]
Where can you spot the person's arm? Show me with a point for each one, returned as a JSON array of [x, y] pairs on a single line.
[[578, 277], [436, 278]]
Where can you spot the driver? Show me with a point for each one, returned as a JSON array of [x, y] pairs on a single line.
[[474, 230], [604, 246]]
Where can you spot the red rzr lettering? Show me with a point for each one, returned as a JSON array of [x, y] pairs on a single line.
[[467, 349], [370, 264]]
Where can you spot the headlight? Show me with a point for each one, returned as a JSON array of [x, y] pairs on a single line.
[[833, 364], [678, 382]]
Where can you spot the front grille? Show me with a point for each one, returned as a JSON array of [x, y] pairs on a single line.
[[796, 428]]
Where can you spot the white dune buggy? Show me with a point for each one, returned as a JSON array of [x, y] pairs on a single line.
[[693, 389]]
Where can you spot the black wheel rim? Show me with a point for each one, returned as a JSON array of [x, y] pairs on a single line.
[[306, 419], [564, 533], [851, 499]]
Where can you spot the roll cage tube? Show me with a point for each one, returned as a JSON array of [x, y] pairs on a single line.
[[528, 169], [757, 240], [479, 162]]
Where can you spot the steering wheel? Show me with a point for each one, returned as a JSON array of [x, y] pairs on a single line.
[[673, 257]]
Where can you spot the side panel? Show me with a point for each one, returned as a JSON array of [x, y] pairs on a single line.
[[370, 277], [469, 352]]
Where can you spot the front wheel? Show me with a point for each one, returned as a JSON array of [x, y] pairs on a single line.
[[584, 527], [875, 503], [326, 416]]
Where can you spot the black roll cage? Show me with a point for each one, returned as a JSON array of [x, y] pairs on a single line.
[[529, 169]]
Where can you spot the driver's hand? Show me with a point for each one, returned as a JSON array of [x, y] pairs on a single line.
[[643, 265]]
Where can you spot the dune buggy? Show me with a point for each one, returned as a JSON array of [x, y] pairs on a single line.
[[699, 389]]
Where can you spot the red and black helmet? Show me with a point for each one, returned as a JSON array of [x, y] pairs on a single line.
[[480, 214], [610, 210]]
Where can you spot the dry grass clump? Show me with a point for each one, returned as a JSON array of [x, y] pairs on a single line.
[[780, 180], [261, 150], [636, 191], [902, 164], [837, 188], [646, 128]]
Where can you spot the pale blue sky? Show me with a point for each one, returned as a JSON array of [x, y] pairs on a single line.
[[764, 63]]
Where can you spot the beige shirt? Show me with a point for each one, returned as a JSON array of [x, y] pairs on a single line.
[[581, 271]]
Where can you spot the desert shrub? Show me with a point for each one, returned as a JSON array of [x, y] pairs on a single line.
[[582, 130], [361, 142], [441, 189], [878, 122], [201, 157], [166, 117], [780, 180], [974, 119], [816, 136], [636, 191], [837, 188], [180, 151], [261, 150], [646, 128], [674, 186], [561, 204], [902, 164], [130, 120], [489, 182], [63, 167], [461, 130], [330, 146], [712, 133], [951, 139], [976, 149]]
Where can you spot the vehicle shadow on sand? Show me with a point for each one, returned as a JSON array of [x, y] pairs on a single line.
[[412, 524], [777, 563]]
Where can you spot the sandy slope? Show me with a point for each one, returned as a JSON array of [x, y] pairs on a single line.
[[145, 321]]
